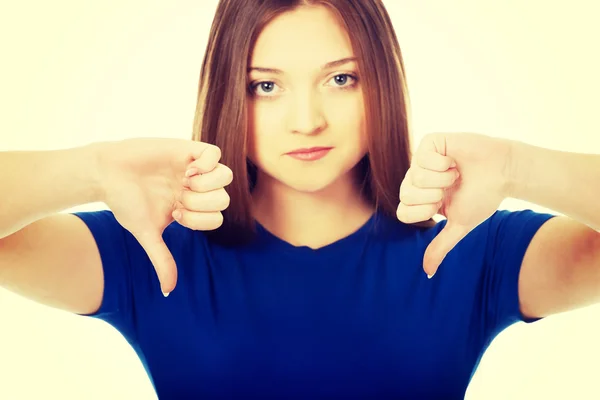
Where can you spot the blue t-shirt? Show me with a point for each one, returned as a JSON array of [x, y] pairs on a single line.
[[355, 319]]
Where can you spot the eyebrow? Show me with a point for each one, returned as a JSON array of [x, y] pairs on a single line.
[[330, 64]]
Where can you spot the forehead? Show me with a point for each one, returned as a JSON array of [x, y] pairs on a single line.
[[304, 38]]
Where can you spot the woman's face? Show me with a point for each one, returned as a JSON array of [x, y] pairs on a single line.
[[305, 93]]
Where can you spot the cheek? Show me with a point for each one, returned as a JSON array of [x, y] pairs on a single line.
[[347, 119], [265, 126]]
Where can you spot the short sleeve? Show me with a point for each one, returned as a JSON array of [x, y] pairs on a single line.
[[118, 249], [508, 237]]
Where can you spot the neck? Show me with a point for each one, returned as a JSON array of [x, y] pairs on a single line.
[[313, 219]]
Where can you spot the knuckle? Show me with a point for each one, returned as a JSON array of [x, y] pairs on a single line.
[[403, 185], [418, 178], [402, 213], [224, 200], [421, 160], [402, 190], [403, 195], [414, 214], [208, 160], [228, 175], [216, 220], [407, 196], [216, 151], [209, 221]]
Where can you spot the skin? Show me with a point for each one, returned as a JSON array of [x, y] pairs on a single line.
[[317, 202]]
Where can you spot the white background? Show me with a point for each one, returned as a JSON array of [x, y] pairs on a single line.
[[74, 72]]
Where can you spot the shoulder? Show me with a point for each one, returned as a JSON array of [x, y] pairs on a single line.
[[115, 241], [500, 239], [502, 224], [505, 222], [494, 250]]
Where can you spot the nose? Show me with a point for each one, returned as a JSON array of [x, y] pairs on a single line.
[[306, 114]]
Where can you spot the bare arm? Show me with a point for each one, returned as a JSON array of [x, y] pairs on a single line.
[[48, 257], [561, 268], [36, 184], [562, 181], [54, 259]]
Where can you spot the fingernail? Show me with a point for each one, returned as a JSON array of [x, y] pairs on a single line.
[[191, 172], [453, 164], [165, 294], [177, 214]]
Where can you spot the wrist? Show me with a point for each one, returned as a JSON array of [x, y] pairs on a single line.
[[517, 169], [94, 158]]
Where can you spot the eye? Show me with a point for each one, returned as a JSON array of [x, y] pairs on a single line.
[[341, 80], [267, 87]]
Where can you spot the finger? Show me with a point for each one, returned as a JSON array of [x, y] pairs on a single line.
[[215, 200], [162, 260], [441, 245], [218, 178], [413, 214], [425, 179], [205, 160], [412, 195], [199, 221], [434, 161]]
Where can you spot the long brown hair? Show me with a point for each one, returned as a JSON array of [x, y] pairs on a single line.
[[221, 113]]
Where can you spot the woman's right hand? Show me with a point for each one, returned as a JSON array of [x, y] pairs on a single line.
[[150, 182]]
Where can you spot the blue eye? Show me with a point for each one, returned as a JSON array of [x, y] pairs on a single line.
[[266, 86], [341, 81]]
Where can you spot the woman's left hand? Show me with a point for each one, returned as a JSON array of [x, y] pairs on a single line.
[[462, 176]]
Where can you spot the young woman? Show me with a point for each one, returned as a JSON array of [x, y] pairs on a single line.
[[293, 236]]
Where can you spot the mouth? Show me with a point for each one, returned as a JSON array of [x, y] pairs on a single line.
[[309, 154]]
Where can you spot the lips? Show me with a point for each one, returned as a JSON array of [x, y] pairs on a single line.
[[309, 150], [309, 154]]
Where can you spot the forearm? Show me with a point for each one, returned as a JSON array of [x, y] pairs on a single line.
[[568, 183], [35, 184]]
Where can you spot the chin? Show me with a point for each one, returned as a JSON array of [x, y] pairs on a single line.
[[314, 181], [308, 187]]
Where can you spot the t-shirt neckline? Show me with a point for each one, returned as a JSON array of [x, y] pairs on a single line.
[[361, 233]]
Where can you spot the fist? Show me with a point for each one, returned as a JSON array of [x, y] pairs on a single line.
[[433, 185], [203, 196], [424, 187], [148, 183]]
